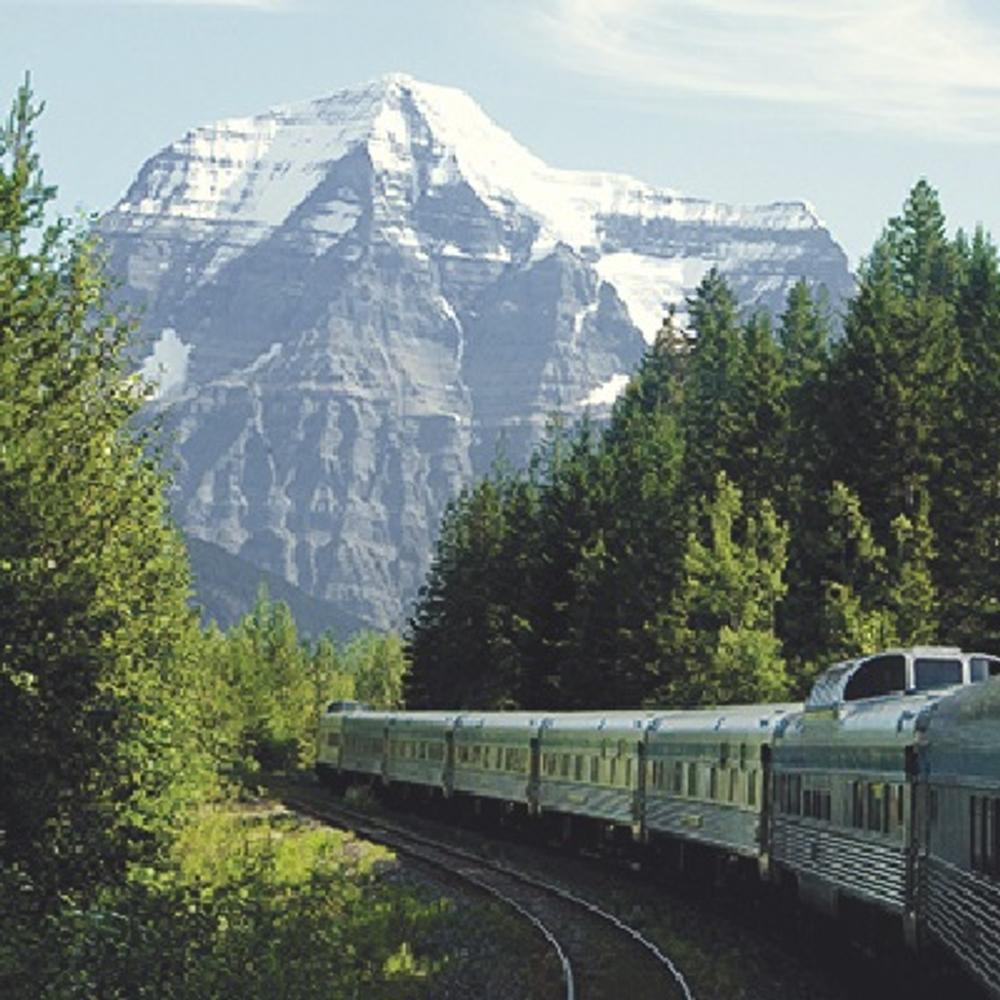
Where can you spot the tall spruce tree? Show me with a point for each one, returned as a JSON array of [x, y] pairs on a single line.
[[726, 648], [760, 449], [712, 418], [96, 751], [968, 514], [855, 614], [645, 451], [805, 334], [893, 386]]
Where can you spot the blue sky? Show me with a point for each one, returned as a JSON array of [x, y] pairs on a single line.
[[845, 104]]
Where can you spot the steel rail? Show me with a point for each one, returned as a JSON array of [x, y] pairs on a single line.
[[367, 828], [364, 823]]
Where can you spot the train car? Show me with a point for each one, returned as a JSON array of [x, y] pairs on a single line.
[[959, 891], [417, 748], [844, 778], [331, 739], [493, 758], [706, 772], [591, 767], [878, 800], [364, 739]]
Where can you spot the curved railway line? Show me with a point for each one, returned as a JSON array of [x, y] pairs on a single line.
[[599, 955]]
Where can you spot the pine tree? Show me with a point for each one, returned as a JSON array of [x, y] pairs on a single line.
[[711, 416], [968, 514], [805, 335], [912, 597], [649, 523], [760, 449], [855, 616], [96, 749], [725, 643], [896, 372]]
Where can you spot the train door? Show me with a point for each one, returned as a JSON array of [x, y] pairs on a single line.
[[448, 778], [384, 764], [765, 833], [639, 795], [534, 776]]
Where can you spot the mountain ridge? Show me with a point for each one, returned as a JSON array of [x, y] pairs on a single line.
[[352, 298]]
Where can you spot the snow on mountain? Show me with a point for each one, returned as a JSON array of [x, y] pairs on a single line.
[[359, 293]]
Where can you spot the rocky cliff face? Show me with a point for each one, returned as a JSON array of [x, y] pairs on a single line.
[[351, 298]]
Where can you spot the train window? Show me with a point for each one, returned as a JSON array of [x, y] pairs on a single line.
[[816, 804], [989, 836], [975, 841], [857, 805], [628, 772], [984, 834], [751, 788], [983, 667], [995, 840], [878, 807], [578, 767], [743, 755], [692, 783], [733, 774], [934, 673], [613, 771], [564, 765], [723, 754], [876, 676], [713, 782], [595, 770]]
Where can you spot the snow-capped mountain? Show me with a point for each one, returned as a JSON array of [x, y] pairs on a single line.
[[351, 298]]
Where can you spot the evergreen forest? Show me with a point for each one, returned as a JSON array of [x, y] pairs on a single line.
[[136, 856], [769, 496]]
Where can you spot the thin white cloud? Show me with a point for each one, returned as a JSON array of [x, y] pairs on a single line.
[[925, 66]]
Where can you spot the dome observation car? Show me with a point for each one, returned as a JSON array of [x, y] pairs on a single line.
[[915, 670]]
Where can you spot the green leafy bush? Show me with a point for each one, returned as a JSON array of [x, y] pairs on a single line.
[[253, 905]]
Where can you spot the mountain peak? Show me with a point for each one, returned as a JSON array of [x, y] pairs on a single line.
[[256, 171]]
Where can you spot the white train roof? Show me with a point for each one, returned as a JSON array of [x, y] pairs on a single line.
[[886, 719], [598, 722], [731, 719], [973, 703], [499, 720]]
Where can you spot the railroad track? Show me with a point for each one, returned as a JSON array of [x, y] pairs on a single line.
[[600, 956]]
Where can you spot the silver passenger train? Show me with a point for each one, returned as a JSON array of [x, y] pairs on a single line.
[[878, 798]]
